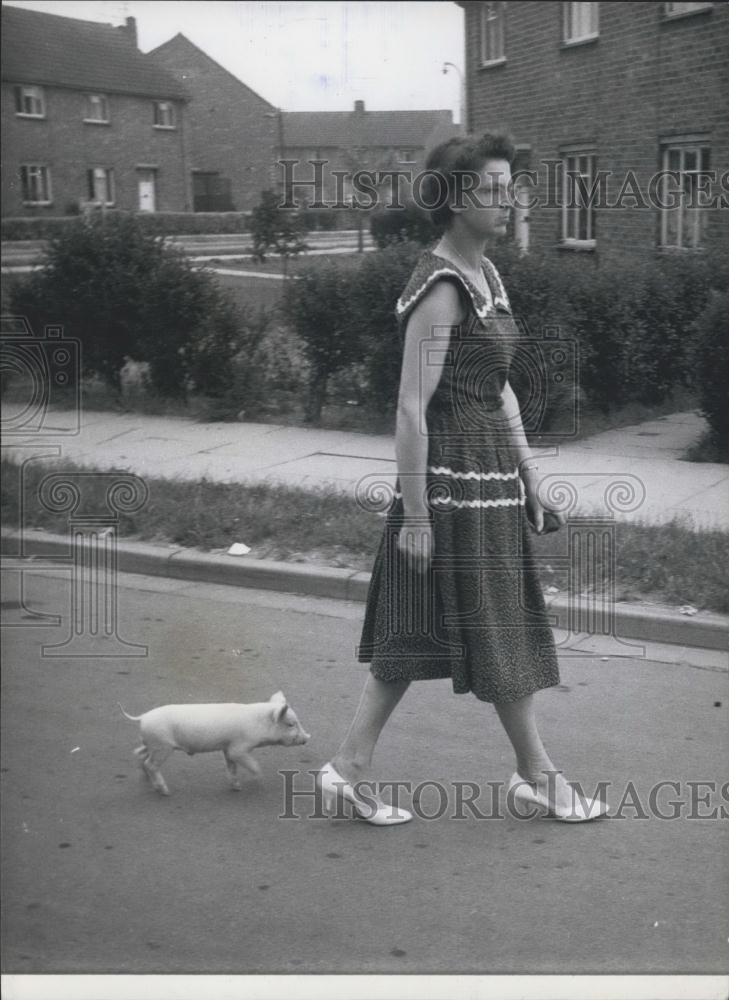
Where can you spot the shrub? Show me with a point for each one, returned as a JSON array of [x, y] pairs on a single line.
[[317, 307], [123, 294], [269, 367], [710, 366]]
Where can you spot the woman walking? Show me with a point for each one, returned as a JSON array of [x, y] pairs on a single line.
[[455, 590]]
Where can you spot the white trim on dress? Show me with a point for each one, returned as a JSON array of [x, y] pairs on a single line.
[[443, 470], [501, 502], [488, 306]]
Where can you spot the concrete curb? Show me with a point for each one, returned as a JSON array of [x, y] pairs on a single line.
[[632, 621]]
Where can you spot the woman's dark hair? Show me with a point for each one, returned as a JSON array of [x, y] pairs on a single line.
[[447, 164]]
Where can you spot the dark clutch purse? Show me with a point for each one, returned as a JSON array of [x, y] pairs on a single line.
[[551, 522]]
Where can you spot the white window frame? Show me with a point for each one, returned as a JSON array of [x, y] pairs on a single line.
[[96, 175], [571, 24], [685, 223], [491, 34], [164, 109], [685, 9], [406, 155], [34, 171], [32, 94], [570, 236], [102, 102]]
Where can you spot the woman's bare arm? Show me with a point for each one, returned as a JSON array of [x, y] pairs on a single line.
[[421, 372], [513, 425], [511, 412]]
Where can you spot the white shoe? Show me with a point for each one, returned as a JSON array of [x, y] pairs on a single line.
[[368, 808], [581, 810]]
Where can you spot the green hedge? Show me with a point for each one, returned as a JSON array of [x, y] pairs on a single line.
[[154, 223], [633, 329]]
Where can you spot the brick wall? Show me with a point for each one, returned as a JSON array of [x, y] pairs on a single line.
[[69, 147], [229, 132], [645, 79]]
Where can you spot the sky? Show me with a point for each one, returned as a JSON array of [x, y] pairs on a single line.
[[301, 56]]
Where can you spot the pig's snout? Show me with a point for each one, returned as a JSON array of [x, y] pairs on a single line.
[[304, 737]]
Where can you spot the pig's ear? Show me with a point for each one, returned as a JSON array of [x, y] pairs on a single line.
[[279, 696], [279, 711]]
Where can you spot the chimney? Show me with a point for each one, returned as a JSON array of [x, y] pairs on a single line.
[[131, 30], [359, 107]]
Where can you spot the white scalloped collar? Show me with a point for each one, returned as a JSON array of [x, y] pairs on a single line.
[[483, 306]]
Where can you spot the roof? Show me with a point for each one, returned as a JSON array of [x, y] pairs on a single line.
[[347, 129], [180, 47], [86, 55]]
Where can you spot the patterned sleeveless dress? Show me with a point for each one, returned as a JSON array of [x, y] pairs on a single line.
[[477, 615]]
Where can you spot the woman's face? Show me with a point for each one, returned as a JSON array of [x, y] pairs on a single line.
[[488, 213]]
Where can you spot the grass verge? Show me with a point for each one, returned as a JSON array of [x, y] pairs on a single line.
[[667, 564]]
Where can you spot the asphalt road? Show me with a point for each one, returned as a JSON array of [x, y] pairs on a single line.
[[102, 875]]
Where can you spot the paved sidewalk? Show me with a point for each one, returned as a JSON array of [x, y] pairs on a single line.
[[635, 472]]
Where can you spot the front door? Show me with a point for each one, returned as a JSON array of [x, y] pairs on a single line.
[[146, 181]]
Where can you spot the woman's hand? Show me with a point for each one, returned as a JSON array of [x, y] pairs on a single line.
[[536, 512], [415, 542]]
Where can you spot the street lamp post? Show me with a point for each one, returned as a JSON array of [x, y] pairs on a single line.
[[278, 114], [462, 100]]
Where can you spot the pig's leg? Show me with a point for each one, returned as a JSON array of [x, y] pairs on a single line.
[[241, 756], [154, 760], [143, 753], [233, 772]]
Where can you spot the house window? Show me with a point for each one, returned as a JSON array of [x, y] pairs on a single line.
[[164, 114], [97, 109], [492, 33], [100, 183], [406, 156], [580, 21], [29, 102], [683, 219], [578, 211], [35, 181], [677, 9]]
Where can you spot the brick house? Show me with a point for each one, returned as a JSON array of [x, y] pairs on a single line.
[[359, 140], [232, 130], [87, 117], [629, 89]]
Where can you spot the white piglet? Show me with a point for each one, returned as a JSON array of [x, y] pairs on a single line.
[[235, 729]]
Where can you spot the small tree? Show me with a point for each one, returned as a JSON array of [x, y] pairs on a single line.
[[276, 230]]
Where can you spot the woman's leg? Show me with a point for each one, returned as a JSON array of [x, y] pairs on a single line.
[[532, 760], [376, 704]]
